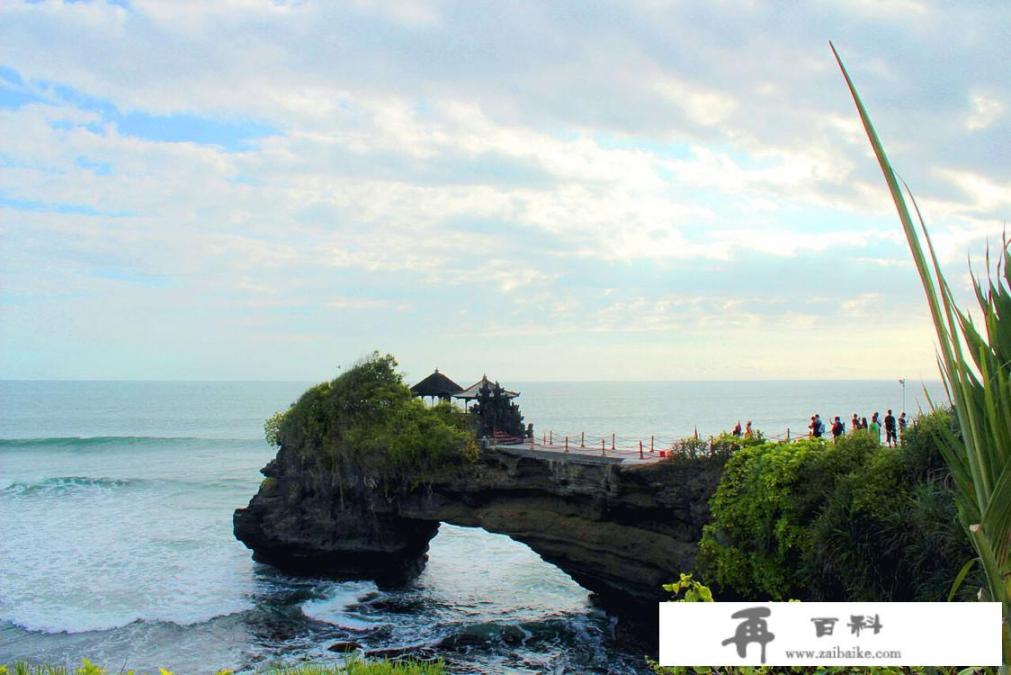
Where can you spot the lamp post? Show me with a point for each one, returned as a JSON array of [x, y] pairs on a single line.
[[902, 381]]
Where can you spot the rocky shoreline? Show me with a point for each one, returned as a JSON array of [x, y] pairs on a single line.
[[619, 530]]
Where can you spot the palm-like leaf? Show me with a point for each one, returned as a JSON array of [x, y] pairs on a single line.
[[978, 381]]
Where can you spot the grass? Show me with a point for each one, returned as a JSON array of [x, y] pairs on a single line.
[[976, 368]]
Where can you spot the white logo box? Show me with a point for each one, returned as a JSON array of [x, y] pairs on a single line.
[[851, 633]]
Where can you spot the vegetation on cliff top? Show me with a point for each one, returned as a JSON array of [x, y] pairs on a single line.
[[823, 520], [368, 417]]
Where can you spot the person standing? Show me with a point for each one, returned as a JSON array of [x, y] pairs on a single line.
[[748, 431], [737, 429], [837, 428], [854, 424], [902, 425], [875, 427], [891, 436]]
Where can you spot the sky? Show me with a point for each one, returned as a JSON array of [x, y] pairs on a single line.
[[628, 190]]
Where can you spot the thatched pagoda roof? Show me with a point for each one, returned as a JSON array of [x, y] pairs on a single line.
[[437, 385], [474, 390]]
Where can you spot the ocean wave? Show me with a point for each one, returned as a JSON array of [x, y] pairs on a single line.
[[61, 484], [54, 623], [58, 485], [94, 442]]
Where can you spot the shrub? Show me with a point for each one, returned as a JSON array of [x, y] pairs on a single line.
[[367, 416], [846, 520]]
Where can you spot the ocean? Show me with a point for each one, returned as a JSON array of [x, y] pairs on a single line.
[[116, 544]]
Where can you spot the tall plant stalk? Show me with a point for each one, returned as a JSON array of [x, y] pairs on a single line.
[[978, 381]]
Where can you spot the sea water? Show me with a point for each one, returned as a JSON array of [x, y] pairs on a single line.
[[116, 544]]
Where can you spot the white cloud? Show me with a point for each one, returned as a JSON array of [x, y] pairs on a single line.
[[461, 149]]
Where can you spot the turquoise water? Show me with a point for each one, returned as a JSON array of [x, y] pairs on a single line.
[[116, 501]]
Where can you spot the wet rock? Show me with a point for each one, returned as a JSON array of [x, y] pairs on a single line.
[[346, 646], [621, 531], [420, 652]]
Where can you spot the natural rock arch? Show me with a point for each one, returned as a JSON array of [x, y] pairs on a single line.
[[619, 530]]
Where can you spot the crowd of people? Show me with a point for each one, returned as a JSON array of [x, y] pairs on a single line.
[[893, 427]]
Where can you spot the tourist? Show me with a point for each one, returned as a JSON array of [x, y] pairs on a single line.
[[837, 428], [854, 424], [748, 432], [875, 428], [737, 429], [891, 437], [863, 423], [902, 426], [819, 426]]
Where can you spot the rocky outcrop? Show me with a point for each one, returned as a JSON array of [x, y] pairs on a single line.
[[619, 530]]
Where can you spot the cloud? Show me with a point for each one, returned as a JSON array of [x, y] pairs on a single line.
[[256, 162]]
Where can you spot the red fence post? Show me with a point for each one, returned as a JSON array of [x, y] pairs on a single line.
[[651, 443], [640, 450], [612, 440], [566, 444], [551, 438], [602, 446], [582, 439]]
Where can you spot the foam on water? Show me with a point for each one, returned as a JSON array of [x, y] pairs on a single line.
[[116, 502], [93, 549]]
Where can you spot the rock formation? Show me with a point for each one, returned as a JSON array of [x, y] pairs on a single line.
[[618, 529]]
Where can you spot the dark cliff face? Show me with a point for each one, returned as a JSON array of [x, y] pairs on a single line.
[[620, 530]]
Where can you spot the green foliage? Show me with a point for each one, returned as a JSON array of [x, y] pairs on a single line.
[[844, 520], [368, 417], [356, 666], [272, 427], [976, 367], [768, 496], [689, 590]]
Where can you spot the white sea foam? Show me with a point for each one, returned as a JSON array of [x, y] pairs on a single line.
[[87, 547], [337, 606]]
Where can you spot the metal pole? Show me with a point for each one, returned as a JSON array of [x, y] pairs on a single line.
[[602, 446], [566, 444], [612, 441], [651, 443], [640, 450], [551, 438], [582, 439]]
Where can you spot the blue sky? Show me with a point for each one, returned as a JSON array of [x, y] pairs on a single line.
[[640, 190]]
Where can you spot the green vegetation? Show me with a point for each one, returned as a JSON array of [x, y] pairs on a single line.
[[367, 417], [978, 379], [846, 520], [351, 667]]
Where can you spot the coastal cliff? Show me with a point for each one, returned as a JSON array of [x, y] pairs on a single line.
[[619, 530]]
